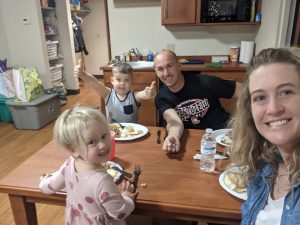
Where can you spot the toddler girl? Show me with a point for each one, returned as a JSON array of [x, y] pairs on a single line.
[[92, 196]]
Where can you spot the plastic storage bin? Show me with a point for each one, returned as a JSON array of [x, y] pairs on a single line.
[[5, 114], [56, 72], [52, 48], [35, 114]]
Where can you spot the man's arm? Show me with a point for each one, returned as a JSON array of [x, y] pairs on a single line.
[[148, 93], [175, 129], [238, 90], [91, 80]]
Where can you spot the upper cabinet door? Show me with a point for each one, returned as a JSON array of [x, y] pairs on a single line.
[[178, 12]]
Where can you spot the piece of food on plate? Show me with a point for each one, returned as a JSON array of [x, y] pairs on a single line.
[[115, 128], [226, 139], [235, 181]]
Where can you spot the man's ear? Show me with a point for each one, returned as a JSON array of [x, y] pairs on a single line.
[[111, 80]]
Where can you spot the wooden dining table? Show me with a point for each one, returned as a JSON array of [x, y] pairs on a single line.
[[175, 186]]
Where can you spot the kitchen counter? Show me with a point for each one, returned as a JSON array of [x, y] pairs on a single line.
[[196, 67]]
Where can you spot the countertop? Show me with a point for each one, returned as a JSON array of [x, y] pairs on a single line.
[[196, 67]]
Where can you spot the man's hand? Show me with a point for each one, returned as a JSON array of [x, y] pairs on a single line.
[[171, 144]]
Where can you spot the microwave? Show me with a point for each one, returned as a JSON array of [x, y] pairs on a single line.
[[216, 11]]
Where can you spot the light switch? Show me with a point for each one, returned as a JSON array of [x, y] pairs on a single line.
[[26, 21]]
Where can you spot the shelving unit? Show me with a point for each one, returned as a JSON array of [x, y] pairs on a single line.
[[53, 45]]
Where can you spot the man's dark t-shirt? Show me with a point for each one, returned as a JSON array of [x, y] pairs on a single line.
[[197, 103]]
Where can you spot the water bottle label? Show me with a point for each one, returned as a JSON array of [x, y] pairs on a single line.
[[208, 150]]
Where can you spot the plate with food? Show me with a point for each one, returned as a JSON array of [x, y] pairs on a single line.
[[223, 137], [128, 131], [116, 175], [232, 181]]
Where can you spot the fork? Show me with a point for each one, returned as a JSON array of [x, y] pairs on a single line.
[[137, 172], [122, 126]]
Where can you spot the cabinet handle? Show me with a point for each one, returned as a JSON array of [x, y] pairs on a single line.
[[165, 13]]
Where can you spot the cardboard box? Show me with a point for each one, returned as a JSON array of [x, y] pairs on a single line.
[[5, 114], [35, 114]]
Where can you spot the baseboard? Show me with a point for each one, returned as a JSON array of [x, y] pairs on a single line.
[[98, 76], [73, 92]]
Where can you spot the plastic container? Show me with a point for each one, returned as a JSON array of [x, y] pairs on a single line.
[[234, 53], [52, 48], [5, 114], [122, 57], [35, 114], [208, 151], [150, 56], [56, 72], [113, 145]]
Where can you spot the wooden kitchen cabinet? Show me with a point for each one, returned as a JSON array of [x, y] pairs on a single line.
[[141, 79], [188, 12], [178, 11]]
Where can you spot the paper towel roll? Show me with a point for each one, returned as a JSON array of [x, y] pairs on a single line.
[[246, 52]]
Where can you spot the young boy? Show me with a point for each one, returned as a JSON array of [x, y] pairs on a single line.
[[121, 103]]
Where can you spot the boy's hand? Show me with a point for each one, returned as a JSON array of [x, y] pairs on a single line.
[[78, 69], [151, 91]]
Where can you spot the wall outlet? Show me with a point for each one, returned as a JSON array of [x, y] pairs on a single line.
[[26, 20], [171, 47]]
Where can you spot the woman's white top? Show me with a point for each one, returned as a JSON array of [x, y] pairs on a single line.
[[271, 214]]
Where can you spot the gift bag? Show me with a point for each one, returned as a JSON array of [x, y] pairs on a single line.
[[28, 84], [7, 89]]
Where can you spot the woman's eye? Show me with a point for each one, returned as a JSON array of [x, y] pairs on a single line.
[[286, 92], [258, 98]]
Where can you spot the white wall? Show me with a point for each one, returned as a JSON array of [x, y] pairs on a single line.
[[137, 23], [273, 29], [95, 37], [4, 51], [25, 42]]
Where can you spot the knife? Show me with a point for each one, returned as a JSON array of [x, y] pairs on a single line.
[[158, 137]]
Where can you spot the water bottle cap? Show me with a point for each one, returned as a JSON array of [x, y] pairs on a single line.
[[209, 130]]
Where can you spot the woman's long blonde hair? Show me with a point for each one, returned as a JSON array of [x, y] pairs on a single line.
[[249, 148]]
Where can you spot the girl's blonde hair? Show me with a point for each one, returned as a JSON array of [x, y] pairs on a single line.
[[249, 148], [69, 126]]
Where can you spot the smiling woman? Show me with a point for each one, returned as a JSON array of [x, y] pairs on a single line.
[[266, 141]]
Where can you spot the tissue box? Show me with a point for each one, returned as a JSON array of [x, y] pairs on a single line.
[[5, 114], [35, 114]]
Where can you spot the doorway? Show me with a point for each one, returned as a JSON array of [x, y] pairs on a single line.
[[95, 26]]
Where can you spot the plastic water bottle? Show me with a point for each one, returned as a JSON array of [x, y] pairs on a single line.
[[208, 150], [150, 56], [122, 57]]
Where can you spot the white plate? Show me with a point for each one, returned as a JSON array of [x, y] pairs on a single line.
[[219, 134], [229, 190], [136, 127]]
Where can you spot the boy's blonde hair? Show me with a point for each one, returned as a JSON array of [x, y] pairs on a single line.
[[123, 68], [69, 126]]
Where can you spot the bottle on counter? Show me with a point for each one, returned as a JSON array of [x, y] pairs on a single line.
[[122, 57], [150, 56], [128, 57], [208, 150]]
